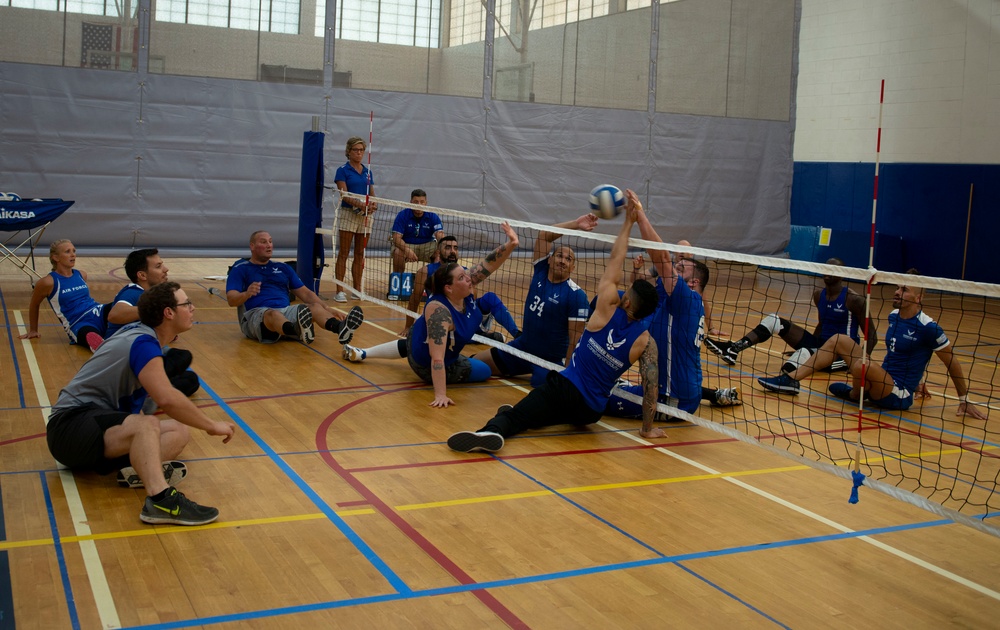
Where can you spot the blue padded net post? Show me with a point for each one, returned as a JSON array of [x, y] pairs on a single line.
[[310, 255]]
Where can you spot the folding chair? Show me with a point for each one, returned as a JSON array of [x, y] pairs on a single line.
[[30, 218]]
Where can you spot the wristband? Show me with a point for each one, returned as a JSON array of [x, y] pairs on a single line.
[[964, 398]]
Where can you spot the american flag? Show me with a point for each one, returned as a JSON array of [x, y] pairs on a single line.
[[97, 37]]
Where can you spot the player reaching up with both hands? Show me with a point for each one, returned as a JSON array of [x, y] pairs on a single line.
[[615, 337]]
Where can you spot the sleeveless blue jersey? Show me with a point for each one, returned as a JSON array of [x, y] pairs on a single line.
[[678, 326], [909, 344], [71, 302], [548, 309], [835, 318], [466, 325], [129, 294], [602, 357], [276, 280]]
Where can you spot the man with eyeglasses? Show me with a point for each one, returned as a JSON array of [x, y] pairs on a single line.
[[145, 268], [97, 422], [259, 288]]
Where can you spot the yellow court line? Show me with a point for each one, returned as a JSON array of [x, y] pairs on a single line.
[[176, 529]]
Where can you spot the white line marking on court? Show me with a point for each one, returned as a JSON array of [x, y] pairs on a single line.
[[822, 519], [88, 548], [796, 508]]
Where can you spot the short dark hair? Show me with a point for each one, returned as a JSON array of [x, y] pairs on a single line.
[[446, 239], [701, 271], [440, 279], [137, 261], [643, 298], [153, 302], [418, 192]]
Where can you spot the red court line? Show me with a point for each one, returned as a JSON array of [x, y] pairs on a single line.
[[23, 438], [487, 598]]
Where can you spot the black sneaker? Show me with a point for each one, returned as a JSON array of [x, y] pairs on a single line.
[[355, 317], [723, 349], [468, 441], [493, 336], [174, 472], [176, 509]]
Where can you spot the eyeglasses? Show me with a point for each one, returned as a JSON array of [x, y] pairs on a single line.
[[353, 149], [188, 304]]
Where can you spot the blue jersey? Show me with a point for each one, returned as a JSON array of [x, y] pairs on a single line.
[[602, 357], [110, 378], [355, 182], [678, 327], [276, 280], [417, 230], [835, 318], [548, 309], [129, 295], [466, 324], [71, 302], [909, 345]]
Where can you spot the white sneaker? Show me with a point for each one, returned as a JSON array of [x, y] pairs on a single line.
[[340, 297], [354, 355]]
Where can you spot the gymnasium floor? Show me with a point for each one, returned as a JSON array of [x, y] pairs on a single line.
[[341, 507]]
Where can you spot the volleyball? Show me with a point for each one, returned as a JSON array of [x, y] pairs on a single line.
[[607, 201], [9, 196]]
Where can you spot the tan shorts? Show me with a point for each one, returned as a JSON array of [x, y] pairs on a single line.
[[351, 222], [424, 251]]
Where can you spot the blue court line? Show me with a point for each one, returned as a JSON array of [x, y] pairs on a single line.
[[13, 350], [74, 617], [356, 540], [534, 579], [640, 542]]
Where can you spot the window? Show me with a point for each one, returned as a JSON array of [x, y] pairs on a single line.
[[273, 16], [404, 22]]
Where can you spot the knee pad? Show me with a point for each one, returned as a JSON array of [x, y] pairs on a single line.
[[480, 371], [798, 357], [773, 324]]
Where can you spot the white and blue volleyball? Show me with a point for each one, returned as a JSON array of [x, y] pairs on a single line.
[[607, 201]]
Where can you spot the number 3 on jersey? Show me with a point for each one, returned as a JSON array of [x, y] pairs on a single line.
[[537, 306]]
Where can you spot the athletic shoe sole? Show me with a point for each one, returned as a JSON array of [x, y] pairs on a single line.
[[306, 332], [174, 472], [355, 317], [468, 441]]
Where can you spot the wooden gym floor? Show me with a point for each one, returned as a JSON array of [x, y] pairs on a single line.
[[342, 507]]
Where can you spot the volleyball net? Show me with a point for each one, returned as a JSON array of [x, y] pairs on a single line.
[[926, 455]]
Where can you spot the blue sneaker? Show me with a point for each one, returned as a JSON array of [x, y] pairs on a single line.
[[842, 390], [782, 384]]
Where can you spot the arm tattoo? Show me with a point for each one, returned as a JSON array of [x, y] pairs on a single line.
[[650, 374], [438, 323], [496, 253], [479, 273]]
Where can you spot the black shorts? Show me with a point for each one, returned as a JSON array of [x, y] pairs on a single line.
[[76, 438]]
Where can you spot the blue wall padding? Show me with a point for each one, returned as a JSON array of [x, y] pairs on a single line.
[[311, 257], [924, 205]]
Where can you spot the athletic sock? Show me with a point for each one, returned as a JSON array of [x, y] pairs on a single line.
[[388, 350], [333, 325], [288, 328], [161, 495]]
